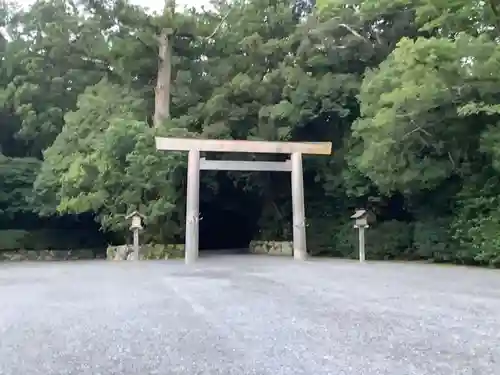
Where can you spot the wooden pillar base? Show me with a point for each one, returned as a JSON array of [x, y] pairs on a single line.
[[299, 221], [136, 244], [192, 207], [362, 256]]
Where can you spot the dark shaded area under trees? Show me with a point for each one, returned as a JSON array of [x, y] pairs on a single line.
[[407, 91]]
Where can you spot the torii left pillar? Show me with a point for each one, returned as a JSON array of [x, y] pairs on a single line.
[[299, 217], [192, 207]]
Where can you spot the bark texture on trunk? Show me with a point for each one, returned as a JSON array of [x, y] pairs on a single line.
[[163, 81]]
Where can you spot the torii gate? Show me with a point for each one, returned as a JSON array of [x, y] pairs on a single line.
[[195, 164]]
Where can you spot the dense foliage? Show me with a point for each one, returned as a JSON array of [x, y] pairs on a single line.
[[407, 91]]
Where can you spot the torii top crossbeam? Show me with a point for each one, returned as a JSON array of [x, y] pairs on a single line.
[[263, 147]]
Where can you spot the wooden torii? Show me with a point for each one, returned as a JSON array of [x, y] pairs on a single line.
[[195, 164]]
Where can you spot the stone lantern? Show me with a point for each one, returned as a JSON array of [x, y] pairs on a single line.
[[136, 227], [361, 223]]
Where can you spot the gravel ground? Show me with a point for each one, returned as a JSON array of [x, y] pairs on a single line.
[[248, 315]]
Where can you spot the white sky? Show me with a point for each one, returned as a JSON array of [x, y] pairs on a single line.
[[157, 5], [154, 5]]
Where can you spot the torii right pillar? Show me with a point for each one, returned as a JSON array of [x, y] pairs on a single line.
[[299, 217]]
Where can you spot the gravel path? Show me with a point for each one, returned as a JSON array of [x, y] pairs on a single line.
[[248, 315]]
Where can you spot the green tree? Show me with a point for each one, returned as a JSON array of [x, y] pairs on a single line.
[[53, 54], [16, 181], [104, 161]]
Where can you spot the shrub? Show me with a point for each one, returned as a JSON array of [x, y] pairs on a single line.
[[386, 240], [49, 239], [432, 240], [321, 236], [13, 239], [346, 240], [390, 240]]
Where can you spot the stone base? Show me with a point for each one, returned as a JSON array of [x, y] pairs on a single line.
[[47, 255], [272, 247], [126, 252]]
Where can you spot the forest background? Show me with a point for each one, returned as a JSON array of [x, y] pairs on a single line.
[[408, 92]]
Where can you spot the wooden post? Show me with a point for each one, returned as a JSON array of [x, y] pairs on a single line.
[[361, 231], [299, 227], [136, 243], [192, 207]]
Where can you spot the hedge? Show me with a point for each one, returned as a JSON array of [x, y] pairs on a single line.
[[48, 239]]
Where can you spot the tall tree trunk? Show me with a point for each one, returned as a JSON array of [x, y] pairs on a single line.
[[163, 80]]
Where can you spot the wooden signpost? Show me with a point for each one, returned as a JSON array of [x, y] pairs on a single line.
[[195, 164]]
